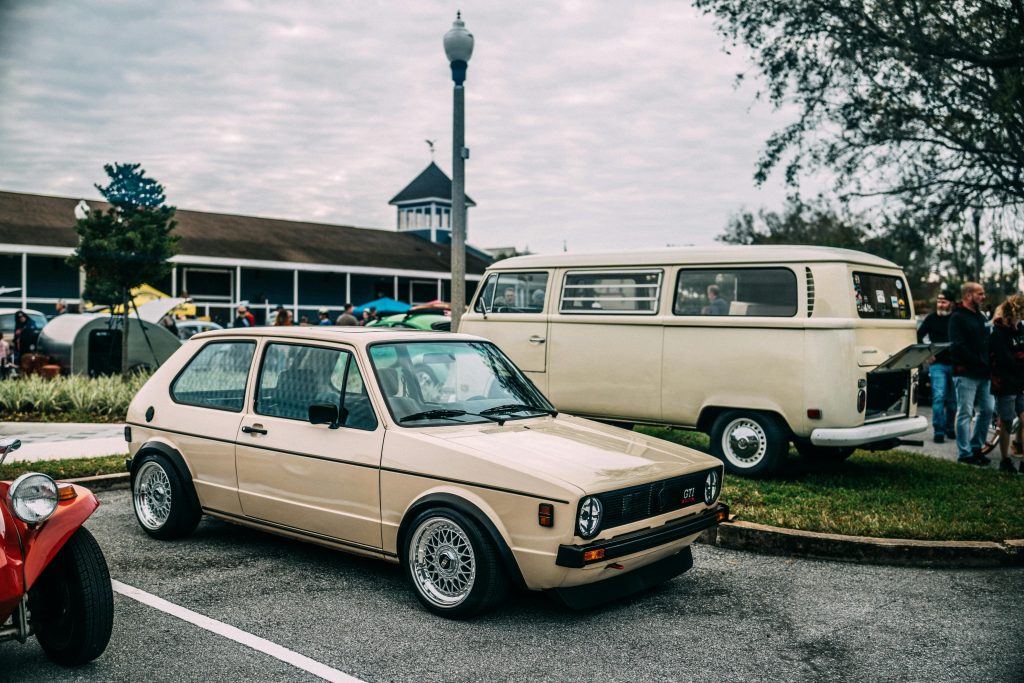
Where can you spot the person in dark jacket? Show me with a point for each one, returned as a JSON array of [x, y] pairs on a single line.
[[935, 329], [1006, 351], [968, 334]]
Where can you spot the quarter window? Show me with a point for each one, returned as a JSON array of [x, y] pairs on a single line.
[[294, 377], [216, 376], [881, 296], [513, 293], [767, 292], [623, 293]]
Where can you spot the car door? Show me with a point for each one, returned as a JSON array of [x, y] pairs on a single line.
[[316, 478], [511, 309]]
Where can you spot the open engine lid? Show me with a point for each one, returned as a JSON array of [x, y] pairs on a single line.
[[911, 357]]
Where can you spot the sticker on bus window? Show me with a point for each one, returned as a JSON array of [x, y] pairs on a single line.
[[880, 296]]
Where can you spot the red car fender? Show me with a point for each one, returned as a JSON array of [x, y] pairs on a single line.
[[12, 585], [42, 543]]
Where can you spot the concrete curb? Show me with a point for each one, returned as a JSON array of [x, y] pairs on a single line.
[[770, 540]]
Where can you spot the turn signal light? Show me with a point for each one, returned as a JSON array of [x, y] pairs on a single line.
[[814, 413], [546, 514], [722, 516], [66, 492], [862, 400], [593, 555]]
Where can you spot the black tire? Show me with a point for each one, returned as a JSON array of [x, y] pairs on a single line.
[[428, 574], [166, 506], [72, 604], [828, 453], [750, 444]]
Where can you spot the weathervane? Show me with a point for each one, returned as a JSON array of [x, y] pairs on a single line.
[[430, 144]]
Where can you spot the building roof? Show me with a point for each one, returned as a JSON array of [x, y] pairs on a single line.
[[37, 220], [726, 254], [432, 183]]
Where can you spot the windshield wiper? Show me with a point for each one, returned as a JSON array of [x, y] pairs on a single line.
[[442, 413], [518, 408], [433, 415]]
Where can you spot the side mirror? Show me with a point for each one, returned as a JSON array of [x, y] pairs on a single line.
[[324, 414], [8, 445]]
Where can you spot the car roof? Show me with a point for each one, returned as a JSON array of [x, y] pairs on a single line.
[[4, 311], [689, 256], [356, 336]]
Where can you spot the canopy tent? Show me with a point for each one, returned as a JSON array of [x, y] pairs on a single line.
[[144, 294], [384, 306]]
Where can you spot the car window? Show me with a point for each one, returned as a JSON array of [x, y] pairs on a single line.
[[881, 296], [216, 376], [431, 383], [736, 292], [617, 293], [513, 293], [294, 377]]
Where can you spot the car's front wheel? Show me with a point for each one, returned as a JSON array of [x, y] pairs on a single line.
[[165, 505], [72, 604], [750, 444], [452, 565]]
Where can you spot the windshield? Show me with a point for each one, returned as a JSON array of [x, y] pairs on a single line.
[[443, 383]]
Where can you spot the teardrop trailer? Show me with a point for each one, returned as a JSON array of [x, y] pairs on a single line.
[[758, 346]]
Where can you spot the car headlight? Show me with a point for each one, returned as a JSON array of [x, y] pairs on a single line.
[[589, 521], [712, 487], [33, 497]]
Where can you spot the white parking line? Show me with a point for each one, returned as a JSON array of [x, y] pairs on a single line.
[[239, 636]]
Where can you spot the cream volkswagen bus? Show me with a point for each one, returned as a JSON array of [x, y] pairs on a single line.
[[758, 346]]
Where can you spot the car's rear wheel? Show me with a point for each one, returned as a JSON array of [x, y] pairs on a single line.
[[452, 565], [165, 505], [750, 444], [72, 604]]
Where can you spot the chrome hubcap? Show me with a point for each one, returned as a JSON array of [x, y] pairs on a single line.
[[744, 442], [152, 496], [442, 563]]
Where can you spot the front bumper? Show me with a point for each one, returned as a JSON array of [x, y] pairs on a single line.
[[579, 556], [878, 431]]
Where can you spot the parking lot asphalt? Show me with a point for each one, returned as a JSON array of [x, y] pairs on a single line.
[[735, 616]]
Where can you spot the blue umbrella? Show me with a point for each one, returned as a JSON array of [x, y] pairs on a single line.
[[383, 306]]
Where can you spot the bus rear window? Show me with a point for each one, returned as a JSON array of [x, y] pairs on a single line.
[[881, 296]]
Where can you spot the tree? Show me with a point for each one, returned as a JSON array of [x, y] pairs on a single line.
[[899, 238], [921, 99], [127, 245]]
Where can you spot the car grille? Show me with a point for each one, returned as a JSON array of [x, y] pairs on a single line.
[[632, 504]]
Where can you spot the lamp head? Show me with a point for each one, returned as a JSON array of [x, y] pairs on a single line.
[[458, 46]]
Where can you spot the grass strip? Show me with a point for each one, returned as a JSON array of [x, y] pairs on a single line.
[[72, 468], [889, 494]]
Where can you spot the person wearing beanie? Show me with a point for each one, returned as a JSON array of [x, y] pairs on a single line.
[[935, 329]]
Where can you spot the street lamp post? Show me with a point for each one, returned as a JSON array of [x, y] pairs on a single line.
[[458, 46]]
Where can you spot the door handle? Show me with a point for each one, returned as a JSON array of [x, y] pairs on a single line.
[[536, 339], [253, 430]]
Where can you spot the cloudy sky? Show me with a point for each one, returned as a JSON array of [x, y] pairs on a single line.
[[593, 123]]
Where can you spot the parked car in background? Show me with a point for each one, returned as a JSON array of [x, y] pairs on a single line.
[[757, 346], [7, 320], [189, 328], [54, 581], [431, 450], [416, 321]]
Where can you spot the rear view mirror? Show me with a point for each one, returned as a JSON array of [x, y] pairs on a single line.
[[324, 414]]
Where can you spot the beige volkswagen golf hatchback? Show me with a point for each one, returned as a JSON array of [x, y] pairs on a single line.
[[427, 449]]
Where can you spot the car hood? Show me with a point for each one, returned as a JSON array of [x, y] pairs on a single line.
[[588, 455]]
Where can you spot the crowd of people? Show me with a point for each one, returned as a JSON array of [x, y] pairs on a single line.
[[283, 317], [980, 374]]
